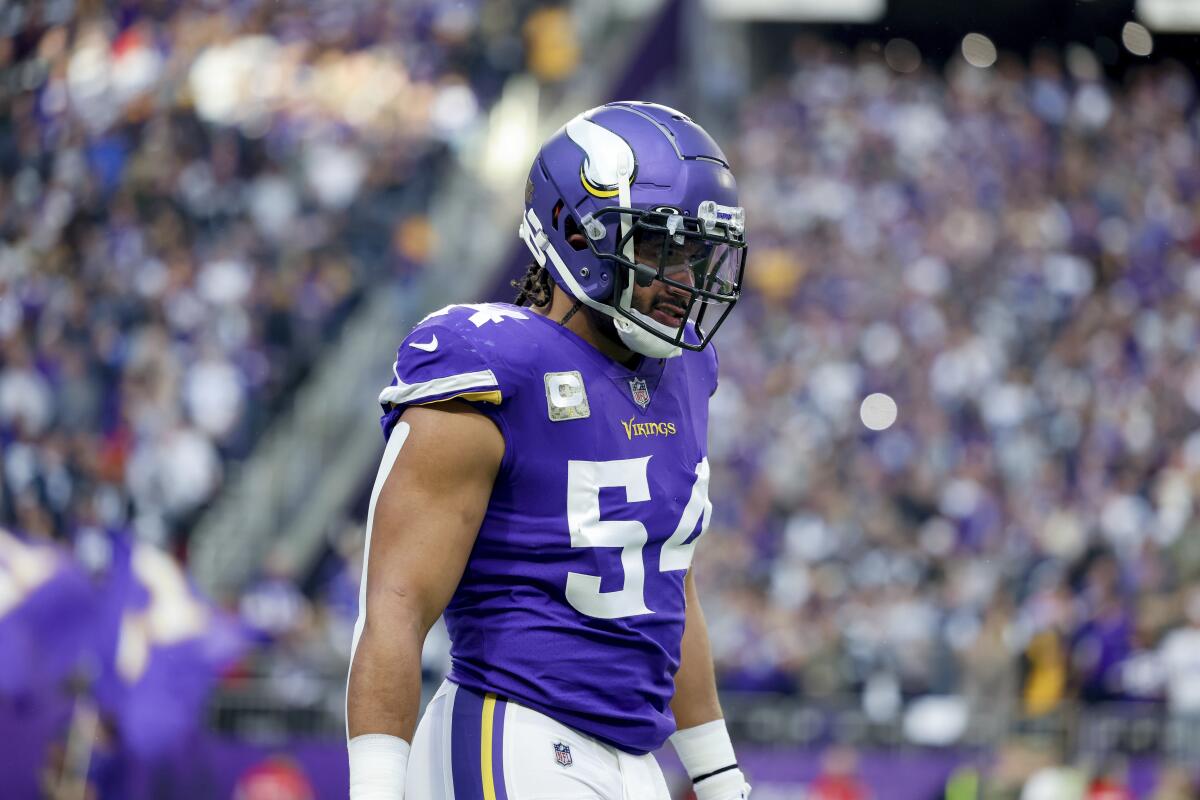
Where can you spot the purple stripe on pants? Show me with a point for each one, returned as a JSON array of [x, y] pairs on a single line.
[[465, 726]]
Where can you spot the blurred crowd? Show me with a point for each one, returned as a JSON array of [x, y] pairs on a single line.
[[193, 197], [1013, 255]]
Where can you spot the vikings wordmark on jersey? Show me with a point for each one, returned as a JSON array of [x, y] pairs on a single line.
[[572, 602]]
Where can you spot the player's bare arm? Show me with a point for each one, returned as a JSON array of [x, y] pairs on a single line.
[[695, 701], [701, 739], [426, 517]]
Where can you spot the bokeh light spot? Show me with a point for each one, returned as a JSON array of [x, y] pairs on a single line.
[[878, 411], [978, 50], [902, 56], [1137, 39]]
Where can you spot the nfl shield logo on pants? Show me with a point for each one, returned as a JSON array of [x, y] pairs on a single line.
[[562, 754], [640, 391]]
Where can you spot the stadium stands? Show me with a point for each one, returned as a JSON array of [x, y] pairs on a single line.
[[193, 201], [1012, 255]]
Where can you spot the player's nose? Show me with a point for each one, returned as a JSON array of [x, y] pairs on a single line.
[[680, 273], [676, 295]]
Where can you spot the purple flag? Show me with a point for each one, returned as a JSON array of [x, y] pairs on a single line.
[[162, 648], [47, 611]]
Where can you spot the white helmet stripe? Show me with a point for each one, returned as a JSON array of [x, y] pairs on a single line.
[[626, 298], [573, 288]]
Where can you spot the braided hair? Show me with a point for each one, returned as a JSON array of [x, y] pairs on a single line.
[[536, 287]]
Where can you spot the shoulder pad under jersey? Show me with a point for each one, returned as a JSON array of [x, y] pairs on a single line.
[[452, 354]]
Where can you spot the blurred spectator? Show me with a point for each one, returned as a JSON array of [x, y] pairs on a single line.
[[1175, 783], [1112, 783], [275, 778], [1101, 642], [553, 47], [1056, 783], [1179, 669], [990, 670], [1180, 655], [1016, 762], [839, 779], [964, 784]]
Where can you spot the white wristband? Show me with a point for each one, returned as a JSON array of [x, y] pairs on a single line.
[[378, 765], [704, 749], [707, 754]]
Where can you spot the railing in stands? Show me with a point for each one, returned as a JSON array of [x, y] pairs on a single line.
[[255, 710]]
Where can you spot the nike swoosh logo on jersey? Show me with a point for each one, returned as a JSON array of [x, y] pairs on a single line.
[[428, 347]]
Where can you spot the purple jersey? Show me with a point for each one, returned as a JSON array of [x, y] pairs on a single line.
[[572, 602]]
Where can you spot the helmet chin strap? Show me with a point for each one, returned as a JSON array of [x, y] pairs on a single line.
[[640, 340]]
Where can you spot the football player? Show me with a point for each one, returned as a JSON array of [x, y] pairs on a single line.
[[543, 488]]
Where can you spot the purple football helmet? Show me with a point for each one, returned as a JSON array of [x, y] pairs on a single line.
[[651, 197]]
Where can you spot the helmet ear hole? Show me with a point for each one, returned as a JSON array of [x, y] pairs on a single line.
[[573, 234], [558, 207]]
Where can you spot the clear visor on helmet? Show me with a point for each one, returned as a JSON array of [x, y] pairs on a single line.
[[700, 265], [693, 263]]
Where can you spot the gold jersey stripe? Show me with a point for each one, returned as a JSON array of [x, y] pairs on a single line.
[[493, 396]]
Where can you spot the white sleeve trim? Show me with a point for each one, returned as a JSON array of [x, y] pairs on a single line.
[[390, 453], [407, 393]]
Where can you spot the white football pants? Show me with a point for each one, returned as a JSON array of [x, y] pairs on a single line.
[[474, 747]]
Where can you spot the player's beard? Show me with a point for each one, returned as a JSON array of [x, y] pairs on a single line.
[[604, 323], [608, 329]]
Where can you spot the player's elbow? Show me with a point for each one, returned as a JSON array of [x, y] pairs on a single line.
[[399, 608]]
